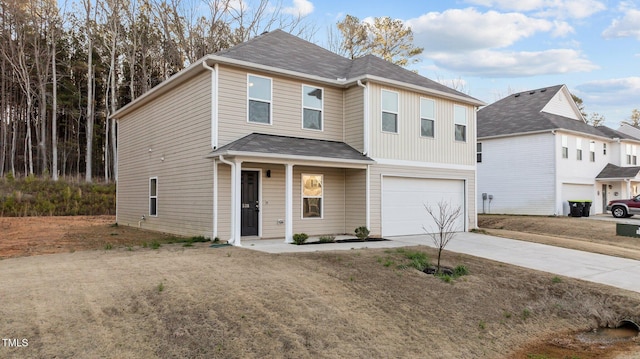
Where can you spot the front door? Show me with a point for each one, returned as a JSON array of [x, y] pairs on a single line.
[[250, 205], [604, 199]]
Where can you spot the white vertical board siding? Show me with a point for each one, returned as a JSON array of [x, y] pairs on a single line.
[[578, 172], [286, 108], [407, 144], [168, 139], [378, 172], [520, 174], [560, 105], [354, 117]]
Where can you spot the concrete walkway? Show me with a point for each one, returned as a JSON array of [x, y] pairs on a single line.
[[618, 272]]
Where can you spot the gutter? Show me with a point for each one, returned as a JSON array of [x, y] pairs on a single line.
[[365, 138], [214, 103]]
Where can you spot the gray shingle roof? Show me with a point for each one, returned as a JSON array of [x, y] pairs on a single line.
[[521, 113], [613, 171], [611, 133], [282, 50], [258, 143]]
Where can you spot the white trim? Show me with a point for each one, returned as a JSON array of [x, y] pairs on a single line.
[[368, 198], [456, 123], [232, 238], [287, 158], [288, 203], [270, 101], [302, 196], [404, 163], [321, 109], [259, 170], [214, 103], [397, 112], [365, 112], [215, 200], [150, 197], [236, 197]]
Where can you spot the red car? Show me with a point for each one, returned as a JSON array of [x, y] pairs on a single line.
[[624, 207]]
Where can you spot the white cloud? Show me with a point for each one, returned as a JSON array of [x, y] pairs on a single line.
[[299, 8], [468, 29], [574, 9], [627, 26], [562, 29], [621, 91], [488, 63]]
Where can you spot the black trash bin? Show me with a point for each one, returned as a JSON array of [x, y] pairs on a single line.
[[586, 208], [576, 208]]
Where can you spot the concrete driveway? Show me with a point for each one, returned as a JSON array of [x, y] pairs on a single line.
[[618, 272]]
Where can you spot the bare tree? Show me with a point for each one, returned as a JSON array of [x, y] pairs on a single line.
[[355, 37], [634, 119], [445, 218], [90, 91], [595, 119]]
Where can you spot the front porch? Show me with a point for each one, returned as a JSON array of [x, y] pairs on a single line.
[[615, 182]]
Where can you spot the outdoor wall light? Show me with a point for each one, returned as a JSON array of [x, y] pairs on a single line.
[[268, 173]]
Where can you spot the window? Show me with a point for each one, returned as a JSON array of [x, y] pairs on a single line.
[[259, 94], [628, 154], [634, 157], [311, 107], [592, 151], [427, 117], [460, 119], [479, 152], [389, 111], [579, 149], [153, 196], [565, 146], [604, 148], [312, 196]]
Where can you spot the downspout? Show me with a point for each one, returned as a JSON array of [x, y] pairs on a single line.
[[215, 200], [214, 103], [232, 240], [365, 139]]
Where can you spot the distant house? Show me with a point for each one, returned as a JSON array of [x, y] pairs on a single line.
[[278, 136], [536, 152]]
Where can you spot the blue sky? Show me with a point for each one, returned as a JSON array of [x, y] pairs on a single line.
[[497, 47]]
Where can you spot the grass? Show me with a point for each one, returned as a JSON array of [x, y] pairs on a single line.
[[108, 246]]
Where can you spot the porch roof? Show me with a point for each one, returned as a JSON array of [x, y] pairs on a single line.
[[293, 148], [611, 171]]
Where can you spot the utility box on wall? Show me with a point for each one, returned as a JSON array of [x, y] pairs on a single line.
[[628, 230]]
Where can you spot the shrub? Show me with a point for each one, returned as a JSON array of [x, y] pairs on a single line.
[[300, 238], [362, 233], [327, 239], [460, 270]]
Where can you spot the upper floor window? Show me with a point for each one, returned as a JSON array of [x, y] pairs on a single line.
[[389, 111], [460, 119], [604, 148], [312, 196], [579, 149], [259, 96], [565, 146], [592, 151], [427, 117], [479, 152], [312, 106], [153, 196], [628, 154], [634, 157]]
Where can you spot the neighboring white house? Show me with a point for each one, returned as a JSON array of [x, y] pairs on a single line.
[[536, 153], [277, 136]]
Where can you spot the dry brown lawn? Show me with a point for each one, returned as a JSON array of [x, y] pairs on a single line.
[[201, 302]]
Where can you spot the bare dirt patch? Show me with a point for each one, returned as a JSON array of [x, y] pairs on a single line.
[[202, 302]]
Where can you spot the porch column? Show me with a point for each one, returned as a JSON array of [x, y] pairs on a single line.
[[628, 182], [288, 203], [236, 198], [368, 198]]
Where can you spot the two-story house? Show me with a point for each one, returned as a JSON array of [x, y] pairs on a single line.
[[278, 136], [536, 153]]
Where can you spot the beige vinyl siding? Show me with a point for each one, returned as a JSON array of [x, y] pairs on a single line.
[[224, 201], [355, 199], [378, 171], [168, 139], [333, 207], [354, 117], [286, 108], [407, 144]]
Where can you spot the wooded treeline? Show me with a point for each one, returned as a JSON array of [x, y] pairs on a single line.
[[64, 69]]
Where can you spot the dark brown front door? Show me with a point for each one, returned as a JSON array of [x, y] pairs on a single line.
[[250, 205]]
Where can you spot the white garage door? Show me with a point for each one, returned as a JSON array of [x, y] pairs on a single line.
[[575, 192], [403, 201]]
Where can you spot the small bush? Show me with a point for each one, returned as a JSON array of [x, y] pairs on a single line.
[[300, 238], [155, 245], [556, 280], [327, 239], [160, 287], [460, 270], [362, 233]]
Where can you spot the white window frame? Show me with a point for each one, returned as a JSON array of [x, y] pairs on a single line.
[[478, 152], [153, 196], [270, 101], [628, 147], [579, 149], [432, 119], [303, 196], [604, 148], [565, 146], [391, 111], [634, 156], [458, 121], [592, 151], [321, 109]]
